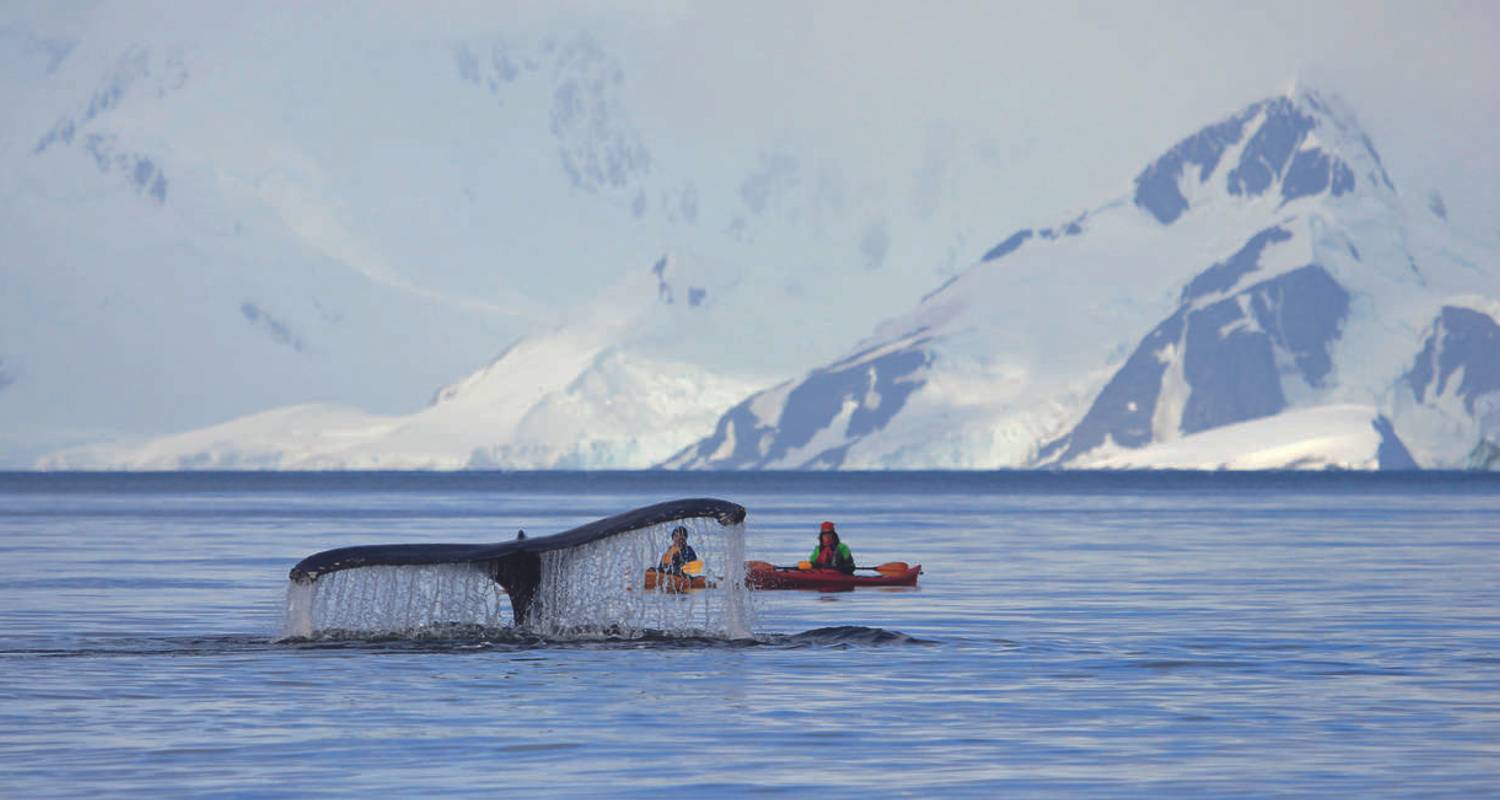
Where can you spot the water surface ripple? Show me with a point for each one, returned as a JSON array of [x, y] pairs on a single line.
[[1074, 635]]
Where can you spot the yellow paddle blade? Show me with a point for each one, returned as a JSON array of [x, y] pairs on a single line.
[[893, 568], [693, 567], [804, 565]]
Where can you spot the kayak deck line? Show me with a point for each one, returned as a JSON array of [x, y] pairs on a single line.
[[758, 576], [764, 576]]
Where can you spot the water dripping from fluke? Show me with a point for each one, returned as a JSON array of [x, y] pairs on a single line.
[[581, 584]]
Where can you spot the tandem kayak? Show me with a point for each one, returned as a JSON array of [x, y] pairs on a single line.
[[761, 575]]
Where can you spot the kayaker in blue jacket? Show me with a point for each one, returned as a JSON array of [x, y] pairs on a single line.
[[830, 552], [679, 554]]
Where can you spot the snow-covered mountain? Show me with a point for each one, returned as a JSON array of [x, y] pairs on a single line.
[[304, 222], [1486, 452], [211, 212], [1449, 401], [615, 386], [1265, 297]]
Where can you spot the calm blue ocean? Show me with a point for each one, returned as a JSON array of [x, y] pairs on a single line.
[[1209, 635]]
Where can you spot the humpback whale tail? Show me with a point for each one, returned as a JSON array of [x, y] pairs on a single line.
[[587, 577]]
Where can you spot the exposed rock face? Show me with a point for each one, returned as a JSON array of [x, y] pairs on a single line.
[[1392, 454], [1461, 358], [1258, 333], [857, 396], [1485, 457], [1230, 348], [1486, 452], [1277, 155]]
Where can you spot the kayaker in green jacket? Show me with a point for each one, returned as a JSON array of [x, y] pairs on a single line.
[[830, 552]]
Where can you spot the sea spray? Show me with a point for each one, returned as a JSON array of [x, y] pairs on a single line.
[[589, 590]]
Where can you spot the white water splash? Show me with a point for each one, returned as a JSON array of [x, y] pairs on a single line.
[[597, 588], [299, 618], [384, 600], [600, 586]]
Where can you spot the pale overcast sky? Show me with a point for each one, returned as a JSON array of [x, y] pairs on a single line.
[[1080, 92]]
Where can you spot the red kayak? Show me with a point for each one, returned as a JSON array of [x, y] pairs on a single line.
[[761, 575]]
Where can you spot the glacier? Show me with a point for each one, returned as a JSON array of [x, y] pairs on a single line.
[[320, 275]]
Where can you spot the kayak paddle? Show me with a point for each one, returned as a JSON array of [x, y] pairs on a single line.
[[890, 568]]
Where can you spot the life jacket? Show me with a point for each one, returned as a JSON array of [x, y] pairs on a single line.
[[675, 557], [835, 556]]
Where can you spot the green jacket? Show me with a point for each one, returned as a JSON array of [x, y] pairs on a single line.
[[843, 560]]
